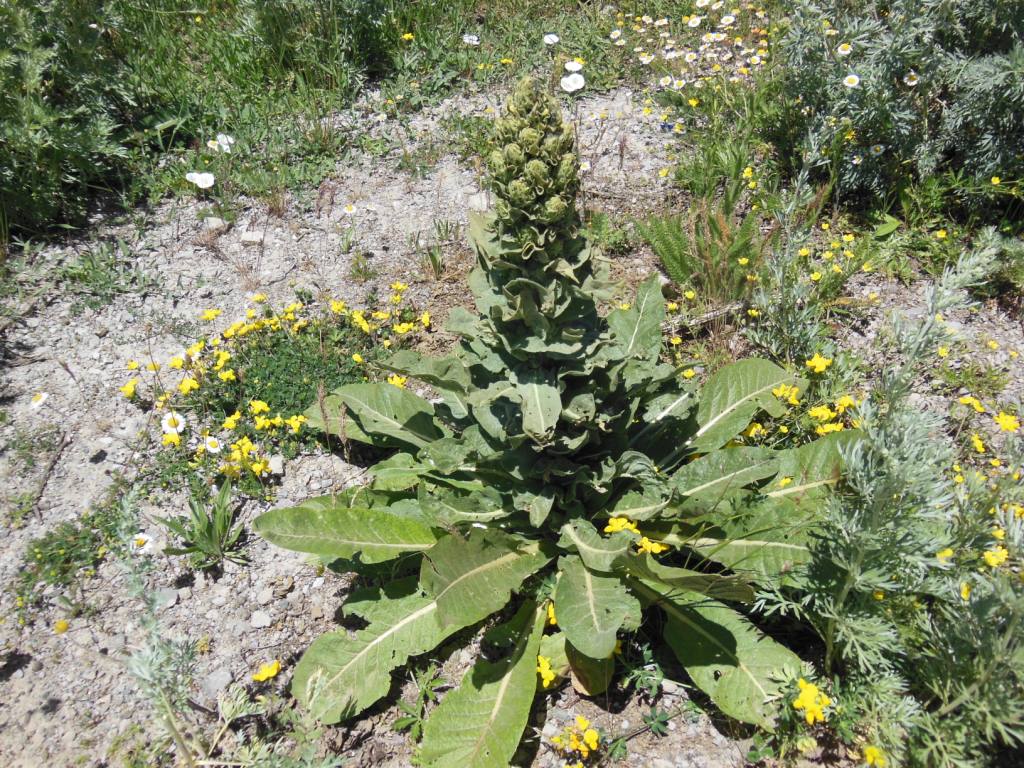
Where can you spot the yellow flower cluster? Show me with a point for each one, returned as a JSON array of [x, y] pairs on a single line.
[[544, 669], [812, 702], [578, 739]]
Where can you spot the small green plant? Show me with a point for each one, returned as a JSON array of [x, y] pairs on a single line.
[[553, 425], [602, 231], [102, 273], [428, 682], [209, 535], [644, 674], [360, 270]]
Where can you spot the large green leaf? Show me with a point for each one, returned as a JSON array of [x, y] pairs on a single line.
[[341, 675], [714, 585], [732, 396], [397, 473], [720, 472], [542, 405], [590, 676], [807, 470], [473, 577], [735, 664], [639, 506], [479, 725], [597, 552], [592, 607], [637, 330], [395, 413], [320, 527], [481, 504]]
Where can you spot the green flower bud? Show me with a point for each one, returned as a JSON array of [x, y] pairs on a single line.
[[519, 193], [530, 139], [555, 209], [567, 170], [514, 155], [496, 162], [537, 173]]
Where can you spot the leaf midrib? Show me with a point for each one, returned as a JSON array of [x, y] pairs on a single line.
[[766, 388]]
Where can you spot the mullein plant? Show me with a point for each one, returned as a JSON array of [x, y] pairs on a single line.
[[917, 607], [564, 486]]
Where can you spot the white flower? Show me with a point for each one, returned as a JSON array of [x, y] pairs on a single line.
[[573, 66], [615, 35], [142, 544], [877, 149], [856, 160], [201, 180], [211, 444], [572, 83], [646, 58], [661, 22], [911, 78], [727, 20], [471, 40], [38, 399], [584, 166], [666, 81], [225, 142], [173, 423], [851, 80], [844, 49], [551, 38], [620, 42], [694, 21], [703, 3]]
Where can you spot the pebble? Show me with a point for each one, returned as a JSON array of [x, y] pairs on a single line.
[[260, 620], [264, 596], [215, 682], [252, 237]]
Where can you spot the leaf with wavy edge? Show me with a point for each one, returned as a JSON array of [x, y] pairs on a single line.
[[592, 607], [472, 578], [479, 725], [320, 527], [637, 330]]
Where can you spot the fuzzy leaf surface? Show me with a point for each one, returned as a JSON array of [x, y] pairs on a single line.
[[479, 724], [735, 664], [398, 414], [720, 472], [597, 552], [339, 676], [637, 330], [732, 396], [473, 577], [592, 607], [541, 406], [320, 527]]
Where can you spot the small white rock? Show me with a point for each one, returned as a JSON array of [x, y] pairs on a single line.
[[260, 620]]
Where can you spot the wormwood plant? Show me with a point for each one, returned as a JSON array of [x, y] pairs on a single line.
[[553, 425]]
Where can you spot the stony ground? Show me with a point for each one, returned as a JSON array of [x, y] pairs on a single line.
[[67, 698]]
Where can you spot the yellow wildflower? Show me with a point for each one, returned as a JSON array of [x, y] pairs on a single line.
[[616, 524], [267, 671], [210, 314], [654, 547], [171, 438], [551, 614], [60, 626], [973, 402], [1007, 422], [547, 674], [257, 407], [812, 701], [874, 756], [188, 384], [231, 422], [128, 390], [996, 556], [944, 555], [818, 364], [397, 381]]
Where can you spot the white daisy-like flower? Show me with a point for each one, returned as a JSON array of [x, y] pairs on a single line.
[[646, 58], [716, 5], [727, 20], [551, 38], [690, 57], [572, 83], [679, 83], [851, 80], [661, 22], [666, 81], [911, 78], [620, 42], [349, 209], [694, 21], [615, 34], [142, 543], [38, 399], [173, 423], [471, 40], [703, 3], [225, 142], [202, 180], [573, 66], [877, 149], [584, 166], [212, 444], [844, 49]]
